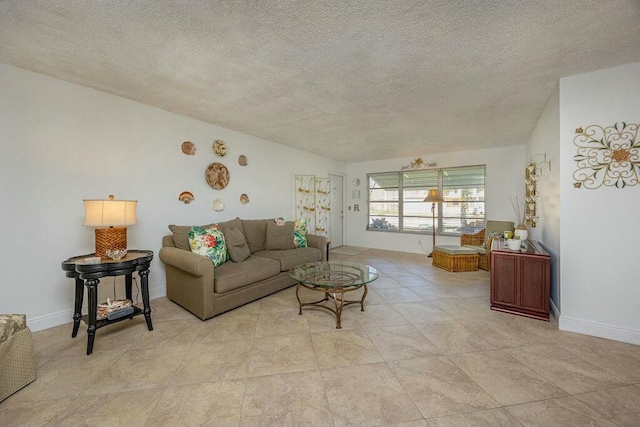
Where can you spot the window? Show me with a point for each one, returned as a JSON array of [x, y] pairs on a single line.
[[396, 200]]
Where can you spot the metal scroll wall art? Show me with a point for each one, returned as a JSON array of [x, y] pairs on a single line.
[[313, 203], [607, 156]]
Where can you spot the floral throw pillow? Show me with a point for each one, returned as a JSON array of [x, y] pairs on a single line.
[[209, 242], [300, 233]]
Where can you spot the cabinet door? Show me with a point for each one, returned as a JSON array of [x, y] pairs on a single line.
[[504, 283], [534, 283]]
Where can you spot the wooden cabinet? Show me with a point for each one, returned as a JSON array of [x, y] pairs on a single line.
[[520, 280]]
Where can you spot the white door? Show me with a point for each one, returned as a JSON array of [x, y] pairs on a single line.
[[337, 210]]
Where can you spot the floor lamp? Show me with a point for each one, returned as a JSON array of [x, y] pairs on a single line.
[[433, 197]]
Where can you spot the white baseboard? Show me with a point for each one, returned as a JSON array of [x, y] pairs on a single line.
[[601, 330], [66, 316]]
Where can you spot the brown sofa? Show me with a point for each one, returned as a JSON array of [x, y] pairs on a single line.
[[206, 291]]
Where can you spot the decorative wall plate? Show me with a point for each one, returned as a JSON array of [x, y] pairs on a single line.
[[188, 148], [219, 147], [217, 176], [244, 199], [186, 197], [242, 160], [218, 205]]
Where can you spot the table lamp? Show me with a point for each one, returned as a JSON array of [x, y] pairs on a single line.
[[433, 197], [110, 217]]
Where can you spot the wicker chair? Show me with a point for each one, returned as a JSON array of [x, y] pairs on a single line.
[[17, 357], [481, 241]]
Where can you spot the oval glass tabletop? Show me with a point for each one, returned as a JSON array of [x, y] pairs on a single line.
[[334, 274]]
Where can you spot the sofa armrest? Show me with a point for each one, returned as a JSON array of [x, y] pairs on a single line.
[[319, 242], [189, 262]]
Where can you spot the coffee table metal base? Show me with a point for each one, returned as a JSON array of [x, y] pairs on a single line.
[[336, 295]]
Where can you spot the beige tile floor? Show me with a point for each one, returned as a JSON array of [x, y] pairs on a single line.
[[426, 352]]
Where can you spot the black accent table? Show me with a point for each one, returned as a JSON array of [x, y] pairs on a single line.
[[88, 274]]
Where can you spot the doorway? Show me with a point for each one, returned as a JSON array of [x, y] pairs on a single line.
[[337, 211]]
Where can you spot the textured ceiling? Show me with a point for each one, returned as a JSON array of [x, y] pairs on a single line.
[[352, 80]]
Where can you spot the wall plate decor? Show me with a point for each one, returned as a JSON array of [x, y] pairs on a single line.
[[217, 176], [188, 148], [242, 160], [218, 205], [244, 199], [607, 156], [219, 147], [186, 197], [356, 182]]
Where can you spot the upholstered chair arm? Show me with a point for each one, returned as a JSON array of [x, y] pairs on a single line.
[[476, 239]]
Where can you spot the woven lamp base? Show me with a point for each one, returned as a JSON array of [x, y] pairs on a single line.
[[110, 238]]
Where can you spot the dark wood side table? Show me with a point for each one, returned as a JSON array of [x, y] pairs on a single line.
[[88, 274]]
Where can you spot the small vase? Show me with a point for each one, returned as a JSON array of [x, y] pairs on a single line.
[[521, 232]]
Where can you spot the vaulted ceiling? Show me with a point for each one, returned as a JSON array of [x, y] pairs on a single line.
[[349, 79]]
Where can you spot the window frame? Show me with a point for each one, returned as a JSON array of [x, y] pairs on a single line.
[[439, 184]]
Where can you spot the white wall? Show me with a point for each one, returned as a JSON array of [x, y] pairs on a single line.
[[504, 179], [62, 143], [600, 291], [545, 139]]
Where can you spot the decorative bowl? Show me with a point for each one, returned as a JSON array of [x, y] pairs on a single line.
[[116, 254], [513, 244]]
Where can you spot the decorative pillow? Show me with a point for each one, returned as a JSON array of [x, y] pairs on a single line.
[[300, 233], [181, 235], [236, 245], [279, 236], [209, 242]]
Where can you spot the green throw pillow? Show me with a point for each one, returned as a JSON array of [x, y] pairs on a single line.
[[208, 242], [300, 233]]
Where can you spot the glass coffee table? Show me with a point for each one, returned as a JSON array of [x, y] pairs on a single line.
[[334, 279]]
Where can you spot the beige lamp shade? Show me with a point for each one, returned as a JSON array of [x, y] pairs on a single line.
[[434, 196], [110, 217], [109, 213]]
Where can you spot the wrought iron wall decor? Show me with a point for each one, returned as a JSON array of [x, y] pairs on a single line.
[[607, 156]]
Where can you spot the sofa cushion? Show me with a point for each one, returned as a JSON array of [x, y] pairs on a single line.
[[279, 236], [181, 235], [236, 222], [480, 249], [209, 242], [255, 231], [289, 258], [236, 245], [234, 275], [455, 249]]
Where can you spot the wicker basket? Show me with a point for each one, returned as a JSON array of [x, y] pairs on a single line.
[[455, 262]]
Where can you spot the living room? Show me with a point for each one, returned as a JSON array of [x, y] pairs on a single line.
[[64, 142]]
